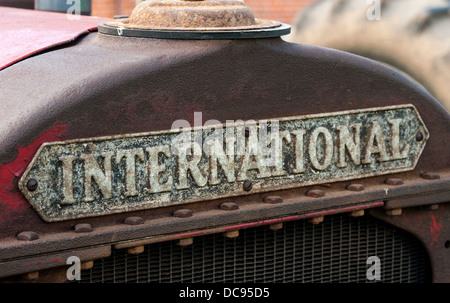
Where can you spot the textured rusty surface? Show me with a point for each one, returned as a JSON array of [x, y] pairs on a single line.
[[180, 15], [234, 228], [191, 14], [141, 85], [51, 260], [432, 228], [278, 153]]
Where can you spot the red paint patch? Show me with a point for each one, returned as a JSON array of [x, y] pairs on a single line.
[[12, 201], [435, 228]]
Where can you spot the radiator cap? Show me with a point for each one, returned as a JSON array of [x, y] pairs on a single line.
[[197, 19]]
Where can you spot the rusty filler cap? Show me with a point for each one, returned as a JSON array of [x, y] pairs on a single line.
[[195, 19]]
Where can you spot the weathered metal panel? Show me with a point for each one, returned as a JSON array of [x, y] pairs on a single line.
[[98, 176]]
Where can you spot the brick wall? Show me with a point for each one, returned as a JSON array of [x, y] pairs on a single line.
[[109, 8], [280, 10]]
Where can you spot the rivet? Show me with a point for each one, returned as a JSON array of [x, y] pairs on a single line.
[[182, 213], [86, 265], [419, 136], [273, 199], [247, 185], [394, 212], [136, 250], [185, 242], [27, 236], [316, 220], [315, 193], [231, 234], [430, 176], [276, 226], [83, 228], [357, 213], [394, 181], [32, 185], [355, 187], [229, 206], [134, 220], [31, 275]]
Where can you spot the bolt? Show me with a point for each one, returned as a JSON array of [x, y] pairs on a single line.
[[394, 212], [27, 236], [247, 185], [355, 187], [229, 206], [231, 234], [430, 176], [83, 228], [315, 193], [394, 181], [357, 213], [316, 220], [134, 220], [31, 275], [182, 213], [185, 242], [419, 136], [86, 265], [273, 199], [276, 226], [136, 250], [32, 185]]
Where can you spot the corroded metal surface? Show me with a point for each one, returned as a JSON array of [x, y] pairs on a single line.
[[204, 19], [192, 15], [99, 176]]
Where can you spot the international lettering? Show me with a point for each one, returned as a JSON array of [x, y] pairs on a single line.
[[216, 159]]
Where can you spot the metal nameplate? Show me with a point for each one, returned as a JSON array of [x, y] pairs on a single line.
[[115, 174]]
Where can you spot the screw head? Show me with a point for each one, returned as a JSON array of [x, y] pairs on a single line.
[[316, 220], [430, 176], [273, 199], [134, 220], [419, 136], [394, 181], [315, 193], [229, 206], [83, 228], [32, 185], [355, 187], [231, 234], [182, 213], [136, 250], [247, 186], [27, 236], [185, 242]]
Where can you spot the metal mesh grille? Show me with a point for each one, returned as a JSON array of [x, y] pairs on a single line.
[[333, 251]]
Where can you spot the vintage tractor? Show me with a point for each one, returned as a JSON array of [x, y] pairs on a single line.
[[189, 142]]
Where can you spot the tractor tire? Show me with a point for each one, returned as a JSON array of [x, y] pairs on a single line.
[[412, 36]]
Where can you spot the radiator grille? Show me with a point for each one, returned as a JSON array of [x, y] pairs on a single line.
[[333, 251]]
